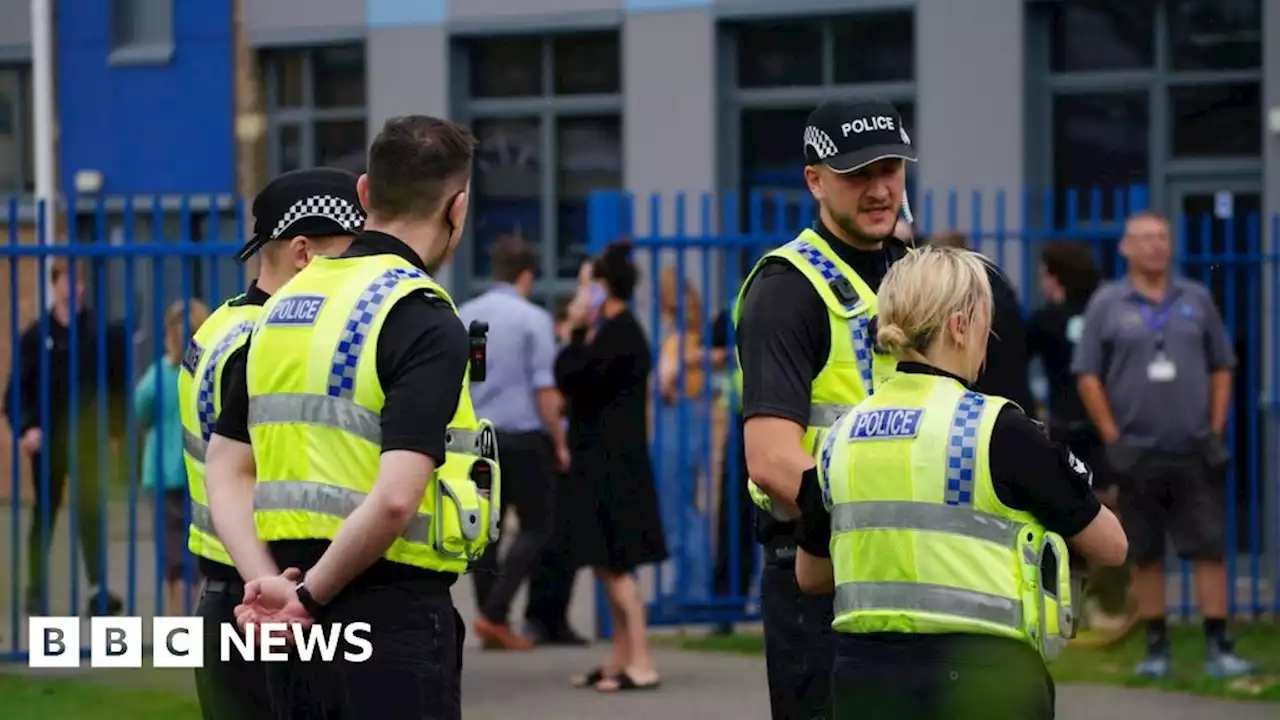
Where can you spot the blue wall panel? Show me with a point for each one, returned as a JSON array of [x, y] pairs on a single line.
[[166, 127], [393, 13]]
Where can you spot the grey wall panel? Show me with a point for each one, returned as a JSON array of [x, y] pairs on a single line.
[[970, 103], [407, 69], [669, 122], [302, 21], [15, 31], [1271, 102], [469, 12]]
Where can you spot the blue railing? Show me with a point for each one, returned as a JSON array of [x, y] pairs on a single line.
[[712, 241], [137, 258]]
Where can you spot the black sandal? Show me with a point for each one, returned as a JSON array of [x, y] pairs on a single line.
[[590, 679], [627, 684]]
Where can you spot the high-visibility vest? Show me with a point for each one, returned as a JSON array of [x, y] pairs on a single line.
[[200, 400], [920, 542], [853, 368], [315, 404]]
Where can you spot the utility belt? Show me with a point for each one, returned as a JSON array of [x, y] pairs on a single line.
[[780, 551], [460, 503], [223, 587]]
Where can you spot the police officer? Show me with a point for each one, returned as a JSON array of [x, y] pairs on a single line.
[[372, 472], [804, 343], [297, 215], [937, 517]]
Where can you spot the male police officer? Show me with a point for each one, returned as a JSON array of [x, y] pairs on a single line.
[[297, 215], [805, 331], [355, 390]]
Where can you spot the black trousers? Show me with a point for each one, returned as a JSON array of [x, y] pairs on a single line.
[[235, 690], [737, 541], [414, 673], [799, 645], [44, 511], [528, 485], [551, 585], [906, 684]]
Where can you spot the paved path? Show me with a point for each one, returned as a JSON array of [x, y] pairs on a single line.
[[535, 687]]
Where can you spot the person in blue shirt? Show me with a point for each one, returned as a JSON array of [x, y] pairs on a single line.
[[155, 405]]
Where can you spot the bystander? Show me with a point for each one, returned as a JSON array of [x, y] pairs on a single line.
[[1154, 370]]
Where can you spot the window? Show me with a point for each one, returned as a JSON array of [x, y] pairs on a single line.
[[507, 185], [316, 111], [17, 167], [780, 54], [1215, 34], [1216, 120], [875, 47], [142, 24], [1100, 140], [1095, 35], [547, 113], [589, 153]]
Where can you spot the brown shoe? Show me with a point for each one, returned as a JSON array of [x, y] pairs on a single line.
[[498, 636]]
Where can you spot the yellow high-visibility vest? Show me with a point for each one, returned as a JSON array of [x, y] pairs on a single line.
[[200, 400], [853, 368], [920, 541], [315, 404]]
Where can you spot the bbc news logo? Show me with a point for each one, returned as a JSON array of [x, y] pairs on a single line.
[[178, 642]]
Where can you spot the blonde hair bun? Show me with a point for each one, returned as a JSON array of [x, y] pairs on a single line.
[[892, 338]]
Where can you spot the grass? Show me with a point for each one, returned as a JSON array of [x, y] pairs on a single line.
[[1108, 666], [24, 697]]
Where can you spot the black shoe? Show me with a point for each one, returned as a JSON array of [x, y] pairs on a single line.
[[98, 607], [561, 636]]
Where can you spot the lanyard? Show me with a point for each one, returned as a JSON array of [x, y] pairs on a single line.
[[1157, 318]]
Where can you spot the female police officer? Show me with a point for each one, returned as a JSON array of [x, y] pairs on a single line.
[[938, 517]]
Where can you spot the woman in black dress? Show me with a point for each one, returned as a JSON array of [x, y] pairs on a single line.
[[606, 369]]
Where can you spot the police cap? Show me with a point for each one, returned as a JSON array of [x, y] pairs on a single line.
[[849, 135], [316, 202]]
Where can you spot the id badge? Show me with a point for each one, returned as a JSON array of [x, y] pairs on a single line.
[[1162, 369]]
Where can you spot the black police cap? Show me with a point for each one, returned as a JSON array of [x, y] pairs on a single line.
[[316, 202], [847, 136]]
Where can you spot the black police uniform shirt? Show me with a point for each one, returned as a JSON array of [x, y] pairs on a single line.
[[422, 357], [1029, 472], [1047, 338], [785, 336]]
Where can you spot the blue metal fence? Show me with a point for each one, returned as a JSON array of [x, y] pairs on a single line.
[[136, 258], [712, 241]]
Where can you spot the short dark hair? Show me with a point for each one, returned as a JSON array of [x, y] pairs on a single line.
[[617, 270], [1071, 263], [414, 162], [510, 256]]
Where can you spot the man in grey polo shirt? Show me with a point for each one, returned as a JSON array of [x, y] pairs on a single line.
[[1153, 367], [519, 396]]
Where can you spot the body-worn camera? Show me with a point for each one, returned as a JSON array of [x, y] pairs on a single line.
[[478, 334]]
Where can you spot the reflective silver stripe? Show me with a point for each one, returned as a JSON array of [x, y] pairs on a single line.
[[314, 497], [194, 445], [340, 414], [333, 412], [202, 519], [921, 597], [824, 415], [849, 517]]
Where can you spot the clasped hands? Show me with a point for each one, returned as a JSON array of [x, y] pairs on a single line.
[[274, 600]]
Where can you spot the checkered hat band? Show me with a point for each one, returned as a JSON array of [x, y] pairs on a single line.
[[338, 210]]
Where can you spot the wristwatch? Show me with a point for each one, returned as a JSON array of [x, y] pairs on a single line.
[[309, 603]]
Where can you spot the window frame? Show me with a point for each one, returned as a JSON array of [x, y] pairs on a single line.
[[23, 139], [306, 114], [140, 51], [548, 109]]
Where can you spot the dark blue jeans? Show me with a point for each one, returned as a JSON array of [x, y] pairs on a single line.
[[415, 672]]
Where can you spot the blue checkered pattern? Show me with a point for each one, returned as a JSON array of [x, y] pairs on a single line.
[[205, 411], [859, 325], [962, 448], [828, 449], [342, 373]]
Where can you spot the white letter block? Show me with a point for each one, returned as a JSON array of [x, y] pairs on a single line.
[[177, 642], [54, 642], [115, 642]]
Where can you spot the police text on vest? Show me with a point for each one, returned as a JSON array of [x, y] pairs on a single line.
[[886, 423], [178, 642], [296, 310], [868, 124]]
